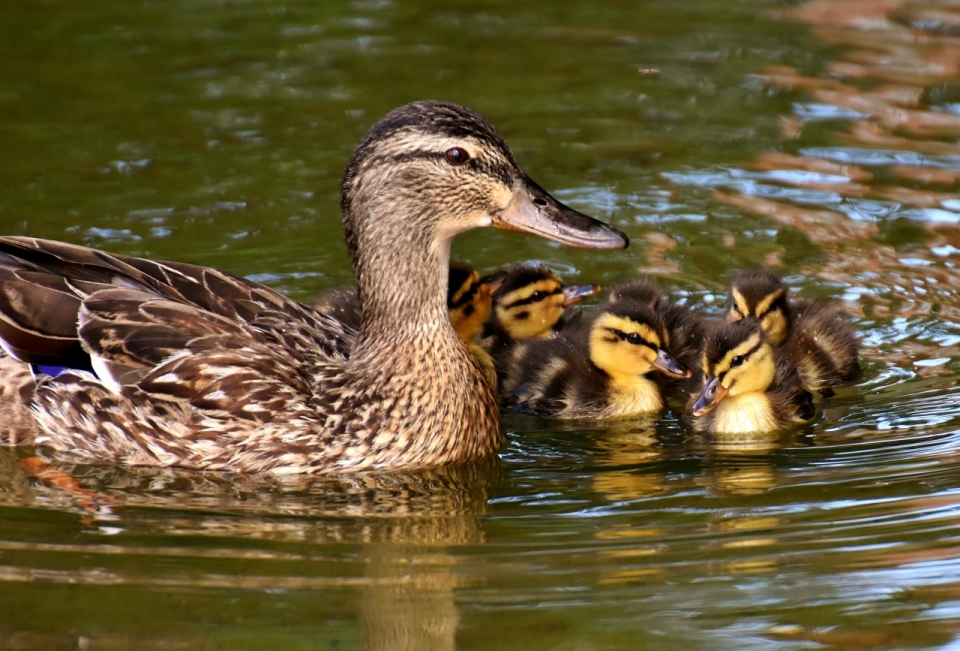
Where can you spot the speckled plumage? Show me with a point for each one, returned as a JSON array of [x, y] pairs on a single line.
[[469, 304], [201, 369]]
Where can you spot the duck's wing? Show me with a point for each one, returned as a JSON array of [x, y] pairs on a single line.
[[69, 305]]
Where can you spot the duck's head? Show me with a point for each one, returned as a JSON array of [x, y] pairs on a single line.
[[431, 170], [469, 301], [737, 359], [760, 295], [629, 339], [530, 299]]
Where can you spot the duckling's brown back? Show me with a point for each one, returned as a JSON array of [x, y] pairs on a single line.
[[823, 345]]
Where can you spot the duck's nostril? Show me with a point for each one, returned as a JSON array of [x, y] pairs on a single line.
[[539, 201]]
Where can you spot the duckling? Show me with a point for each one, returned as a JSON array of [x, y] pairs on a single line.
[[605, 371], [748, 385], [529, 303], [206, 370], [469, 303], [684, 324], [531, 299], [341, 303], [812, 334]]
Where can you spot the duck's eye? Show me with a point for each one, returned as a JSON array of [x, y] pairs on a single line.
[[634, 339], [736, 361], [457, 156], [538, 296]]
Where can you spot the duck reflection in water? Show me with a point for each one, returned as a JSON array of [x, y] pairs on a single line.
[[395, 530]]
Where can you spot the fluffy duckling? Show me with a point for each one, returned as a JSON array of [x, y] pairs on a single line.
[[529, 303], [342, 304], [813, 335], [684, 325], [530, 300], [470, 302], [605, 371], [748, 385]]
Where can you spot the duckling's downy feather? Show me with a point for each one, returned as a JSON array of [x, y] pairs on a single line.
[[761, 390], [606, 370], [813, 334]]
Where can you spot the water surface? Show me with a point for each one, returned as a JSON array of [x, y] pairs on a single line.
[[818, 137]]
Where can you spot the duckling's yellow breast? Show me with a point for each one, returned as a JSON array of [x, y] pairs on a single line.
[[745, 414], [640, 396]]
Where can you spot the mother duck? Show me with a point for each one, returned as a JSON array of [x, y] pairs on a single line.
[[171, 364]]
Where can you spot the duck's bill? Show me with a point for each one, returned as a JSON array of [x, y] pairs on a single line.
[[493, 285], [533, 210], [573, 294], [711, 396], [666, 364]]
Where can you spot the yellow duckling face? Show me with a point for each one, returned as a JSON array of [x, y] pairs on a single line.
[[469, 302], [529, 303], [760, 295], [737, 360], [628, 341], [531, 299]]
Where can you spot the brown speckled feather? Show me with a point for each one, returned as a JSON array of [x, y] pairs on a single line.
[[265, 390]]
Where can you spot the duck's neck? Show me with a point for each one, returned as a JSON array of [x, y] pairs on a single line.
[[402, 285]]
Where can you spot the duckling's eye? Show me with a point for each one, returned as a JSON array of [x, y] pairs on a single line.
[[457, 156], [537, 296], [736, 361], [634, 339]]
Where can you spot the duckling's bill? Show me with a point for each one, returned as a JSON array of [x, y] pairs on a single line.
[[665, 363], [573, 294], [711, 396], [532, 210]]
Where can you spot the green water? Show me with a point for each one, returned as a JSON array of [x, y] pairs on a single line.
[[215, 132]]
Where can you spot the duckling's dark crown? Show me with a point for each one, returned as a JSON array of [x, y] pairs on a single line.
[[635, 311], [643, 290], [522, 275], [726, 336], [459, 275], [756, 284]]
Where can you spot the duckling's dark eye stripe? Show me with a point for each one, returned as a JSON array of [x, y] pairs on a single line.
[[532, 299], [745, 355], [643, 342]]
